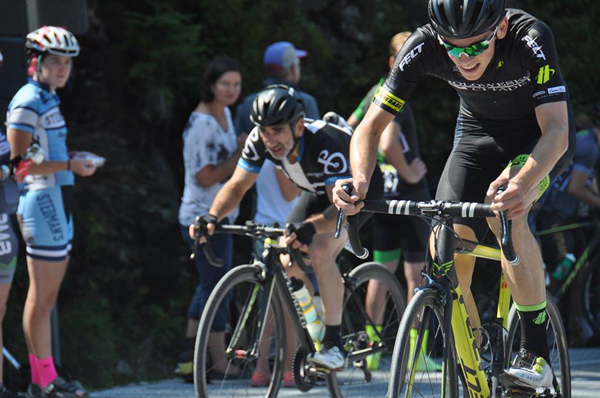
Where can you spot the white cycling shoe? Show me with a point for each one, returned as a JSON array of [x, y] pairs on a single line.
[[528, 371], [330, 357]]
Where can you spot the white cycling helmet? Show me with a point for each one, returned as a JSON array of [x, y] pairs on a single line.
[[53, 40]]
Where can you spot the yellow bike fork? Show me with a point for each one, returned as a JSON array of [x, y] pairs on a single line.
[[467, 350]]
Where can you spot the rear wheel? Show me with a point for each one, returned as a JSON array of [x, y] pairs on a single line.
[[557, 346], [357, 380], [414, 372], [230, 322]]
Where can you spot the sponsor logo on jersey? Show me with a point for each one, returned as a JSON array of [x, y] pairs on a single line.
[[542, 92], [53, 119], [414, 53], [557, 89], [250, 153], [535, 48], [383, 96], [509, 85], [500, 64], [334, 163], [544, 74]]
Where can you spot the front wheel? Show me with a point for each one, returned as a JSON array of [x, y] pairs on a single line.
[[557, 346], [415, 371], [230, 354], [368, 322]]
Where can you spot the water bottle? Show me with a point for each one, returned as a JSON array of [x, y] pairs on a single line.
[[317, 328], [563, 268], [318, 305], [313, 322]]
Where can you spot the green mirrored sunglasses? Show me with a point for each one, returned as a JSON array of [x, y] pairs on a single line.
[[473, 50]]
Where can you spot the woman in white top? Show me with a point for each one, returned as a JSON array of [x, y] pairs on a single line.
[[211, 150]]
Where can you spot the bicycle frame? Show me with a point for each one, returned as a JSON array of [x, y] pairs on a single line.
[[277, 282], [443, 278], [456, 316], [480, 386]]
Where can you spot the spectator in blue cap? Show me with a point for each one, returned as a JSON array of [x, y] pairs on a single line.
[[282, 62]]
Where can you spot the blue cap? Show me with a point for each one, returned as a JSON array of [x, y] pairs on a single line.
[[281, 55]]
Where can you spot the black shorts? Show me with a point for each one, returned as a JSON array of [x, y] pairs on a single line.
[[407, 233], [481, 152]]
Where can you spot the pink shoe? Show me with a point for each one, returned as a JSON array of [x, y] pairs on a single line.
[[260, 379], [288, 380]]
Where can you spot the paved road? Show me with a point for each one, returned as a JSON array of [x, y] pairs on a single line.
[[585, 373]]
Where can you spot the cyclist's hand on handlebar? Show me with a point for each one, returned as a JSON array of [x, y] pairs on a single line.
[[299, 235], [513, 199], [208, 224], [342, 200]]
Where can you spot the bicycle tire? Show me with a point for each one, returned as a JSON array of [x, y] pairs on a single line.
[[243, 287], [353, 381], [406, 381], [557, 341], [590, 294]]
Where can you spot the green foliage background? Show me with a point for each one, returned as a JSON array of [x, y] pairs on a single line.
[[125, 297]]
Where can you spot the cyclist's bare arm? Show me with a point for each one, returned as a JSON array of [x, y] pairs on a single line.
[[20, 140], [230, 196], [289, 190], [363, 147], [393, 151], [522, 189], [578, 189]]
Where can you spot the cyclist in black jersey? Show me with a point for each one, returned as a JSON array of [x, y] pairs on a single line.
[[513, 101], [313, 154]]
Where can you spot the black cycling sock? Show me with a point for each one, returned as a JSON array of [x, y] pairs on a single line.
[[333, 336], [533, 319]]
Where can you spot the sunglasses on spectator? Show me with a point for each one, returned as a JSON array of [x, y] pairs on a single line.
[[473, 50]]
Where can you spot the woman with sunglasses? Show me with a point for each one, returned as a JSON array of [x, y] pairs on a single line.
[[514, 111]]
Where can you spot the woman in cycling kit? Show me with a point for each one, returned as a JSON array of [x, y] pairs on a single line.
[[45, 207]]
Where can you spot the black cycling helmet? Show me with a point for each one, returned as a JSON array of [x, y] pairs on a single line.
[[276, 104], [459, 19]]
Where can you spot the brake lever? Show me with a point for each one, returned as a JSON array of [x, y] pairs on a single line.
[[347, 187], [196, 237], [200, 228], [506, 236]]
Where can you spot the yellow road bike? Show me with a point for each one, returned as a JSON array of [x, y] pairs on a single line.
[[438, 316]]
